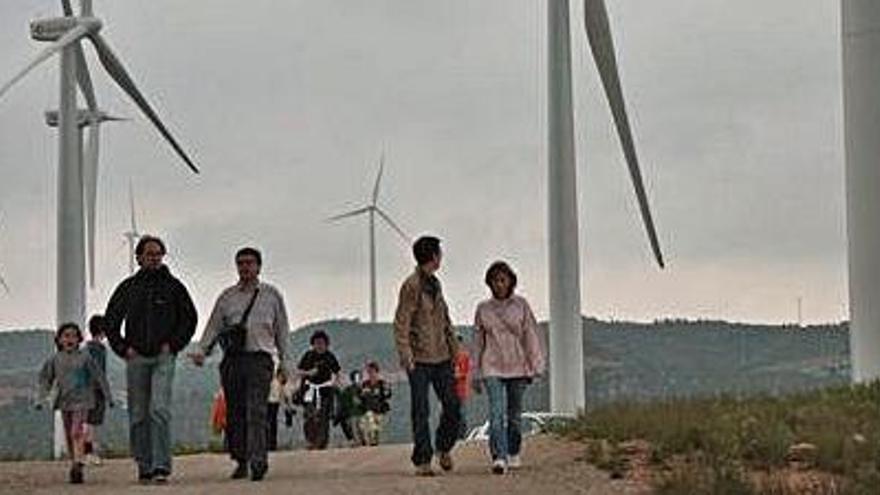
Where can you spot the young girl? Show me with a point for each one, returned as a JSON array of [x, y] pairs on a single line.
[[509, 355], [76, 377]]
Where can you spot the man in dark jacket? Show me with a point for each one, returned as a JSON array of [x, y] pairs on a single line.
[[160, 320]]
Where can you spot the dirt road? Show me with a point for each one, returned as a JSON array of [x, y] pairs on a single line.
[[551, 466]]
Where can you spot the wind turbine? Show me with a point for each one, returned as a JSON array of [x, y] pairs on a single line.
[[75, 179], [371, 210], [133, 234], [89, 169], [567, 386], [861, 98]]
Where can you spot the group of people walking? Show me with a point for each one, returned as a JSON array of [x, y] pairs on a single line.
[[249, 322]]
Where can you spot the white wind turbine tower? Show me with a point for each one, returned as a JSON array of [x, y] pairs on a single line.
[[567, 387], [76, 179], [132, 235], [371, 210], [861, 98]]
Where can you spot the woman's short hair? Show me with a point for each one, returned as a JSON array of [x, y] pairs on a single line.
[[497, 268], [320, 334]]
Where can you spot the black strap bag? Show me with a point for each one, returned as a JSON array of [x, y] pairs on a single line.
[[232, 337]]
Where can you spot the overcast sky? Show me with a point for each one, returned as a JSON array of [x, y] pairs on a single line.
[[285, 106]]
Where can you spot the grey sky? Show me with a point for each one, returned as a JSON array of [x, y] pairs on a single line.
[[736, 108]]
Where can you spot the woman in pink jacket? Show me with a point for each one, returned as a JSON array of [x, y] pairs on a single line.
[[508, 356]]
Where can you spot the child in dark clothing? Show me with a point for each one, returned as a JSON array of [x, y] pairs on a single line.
[[76, 376], [374, 400], [320, 370], [98, 352]]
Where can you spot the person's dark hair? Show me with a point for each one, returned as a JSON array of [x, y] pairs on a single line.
[[500, 267], [249, 251], [425, 248], [144, 240], [373, 365], [320, 334], [62, 328], [96, 325]]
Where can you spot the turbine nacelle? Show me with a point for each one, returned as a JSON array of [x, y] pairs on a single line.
[[53, 29], [84, 117]]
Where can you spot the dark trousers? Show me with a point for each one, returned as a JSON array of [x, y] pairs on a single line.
[[316, 420], [246, 378], [272, 426], [440, 377]]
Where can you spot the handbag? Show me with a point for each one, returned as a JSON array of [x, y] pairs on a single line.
[[232, 338]]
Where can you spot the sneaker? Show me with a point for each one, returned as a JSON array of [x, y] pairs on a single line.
[[160, 476], [241, 471], [446, 461], [76, 473], [424, 470], [258, 471], [499, 466], [93, 460], [514, 462]]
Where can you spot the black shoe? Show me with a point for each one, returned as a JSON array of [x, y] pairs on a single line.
[[145, 477], [241, 471], [76, 473], [258, 471]]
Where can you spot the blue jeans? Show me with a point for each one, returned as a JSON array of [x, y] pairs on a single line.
[[505, 415], [149, 410], [440, 377]]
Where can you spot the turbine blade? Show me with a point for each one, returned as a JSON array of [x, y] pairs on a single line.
[[378, 178], [4, 285], [90, 182], [117, 71], [69, 37], [602, 45], [353, 213], [85, 80], [134, 228], [392, 224]]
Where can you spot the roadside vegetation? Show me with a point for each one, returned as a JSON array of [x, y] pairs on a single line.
[[820, 442]]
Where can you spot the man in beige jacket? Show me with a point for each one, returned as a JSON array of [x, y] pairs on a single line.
[[426, 344]]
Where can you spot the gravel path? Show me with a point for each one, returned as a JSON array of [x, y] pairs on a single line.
[[551, 466]]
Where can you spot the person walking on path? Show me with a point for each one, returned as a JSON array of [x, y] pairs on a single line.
[[160, 319], [98, 352], [509, 356], [374, 396], [75, 376], [462, 364], [320, 371], [349, 410], [426, 345], [249, 320]]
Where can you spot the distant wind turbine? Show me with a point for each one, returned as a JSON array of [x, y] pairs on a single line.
[[76, 179], [133, 234], [371, 210], [2, 280], [567, 386]]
